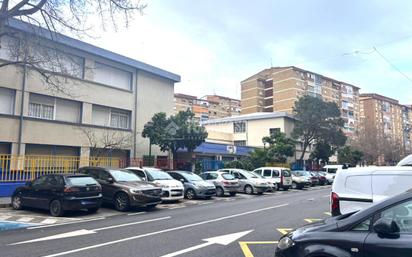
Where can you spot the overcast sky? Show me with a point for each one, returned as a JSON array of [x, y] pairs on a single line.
[[215, 44]]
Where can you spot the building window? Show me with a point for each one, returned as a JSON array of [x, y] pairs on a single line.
[[274, 131], [239, 127], [114, 77], [7, 97], [110, 117], [240, 142], [51, 108]]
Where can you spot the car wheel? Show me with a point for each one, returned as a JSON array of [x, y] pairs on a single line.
[[285, 188], [275, 187], [92, 210], [220, 192], [151, 206], [232, 193], [248, 190], [260, 193], [121, 202], [56, 208], [16, 202], [278, 187], [190, 194], [294, 185]]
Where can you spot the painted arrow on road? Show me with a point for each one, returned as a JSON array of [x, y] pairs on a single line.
[[220, 240]]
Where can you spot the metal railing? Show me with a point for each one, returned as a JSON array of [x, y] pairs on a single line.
[[14, 168]]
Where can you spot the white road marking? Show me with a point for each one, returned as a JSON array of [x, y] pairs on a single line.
[[82, 232], [165, 231], [49, 221], [221, 240], [5, 217], [136, 213], [325, 196], [66, 223], [25, 219]]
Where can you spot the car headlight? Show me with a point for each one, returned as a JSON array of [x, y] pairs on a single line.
[[135, 191], [285, 243]]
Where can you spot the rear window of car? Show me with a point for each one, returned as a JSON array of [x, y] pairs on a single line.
[[228, 176], [81, 181], [333, 171], [286, 173]]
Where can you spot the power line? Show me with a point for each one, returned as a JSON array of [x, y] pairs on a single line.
[[391, 64]]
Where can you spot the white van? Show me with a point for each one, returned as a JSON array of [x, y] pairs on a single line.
[[278, 176], [357, 188], [331, 171]]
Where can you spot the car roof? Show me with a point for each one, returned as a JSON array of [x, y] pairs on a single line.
[[271, 168], [333, 166], [67, 175], [376, 169]]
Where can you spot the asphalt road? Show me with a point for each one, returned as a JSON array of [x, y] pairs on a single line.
[[251, 227]]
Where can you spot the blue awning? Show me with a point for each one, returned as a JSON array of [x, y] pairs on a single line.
[[223, 149]]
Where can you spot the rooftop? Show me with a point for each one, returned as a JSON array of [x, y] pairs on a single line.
[[250, 116], [89, 48]]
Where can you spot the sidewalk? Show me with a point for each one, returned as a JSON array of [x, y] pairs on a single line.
[[5, 202]]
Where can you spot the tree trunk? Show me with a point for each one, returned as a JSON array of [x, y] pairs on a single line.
[[305, 146]]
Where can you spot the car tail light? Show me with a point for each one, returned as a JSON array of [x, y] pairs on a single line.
[[334, 204], [71, 189]]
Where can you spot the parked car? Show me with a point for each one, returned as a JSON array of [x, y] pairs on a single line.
[[315, 178], [382, 230], [123, 188], [195, 186], [279, 176], [331, 171], [59, 193], [249, 182], [357, 188], [407, 161], [172, 189], [300, 179], [225, 183]]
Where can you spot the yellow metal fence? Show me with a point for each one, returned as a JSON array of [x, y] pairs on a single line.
[[14, 168]]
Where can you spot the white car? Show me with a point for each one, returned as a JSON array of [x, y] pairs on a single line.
[[249, 182], [172, 189], [331, 171], [279, 177], [357, 188]]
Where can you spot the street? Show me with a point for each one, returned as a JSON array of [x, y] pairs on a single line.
[[242, 227]]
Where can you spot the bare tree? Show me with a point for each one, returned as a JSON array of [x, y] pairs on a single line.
[[103, 141], [51, 17]]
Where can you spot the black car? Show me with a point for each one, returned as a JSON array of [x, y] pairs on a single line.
[[382, 230], [124, 189], [59, 193]]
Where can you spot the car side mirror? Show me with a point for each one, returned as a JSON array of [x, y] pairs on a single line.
[[386, 228], [110, 180], [182, 180], [29, 183]]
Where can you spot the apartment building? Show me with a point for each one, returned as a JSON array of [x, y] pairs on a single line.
[[278, 88], [207, 107], [387, 117], [110, 98]]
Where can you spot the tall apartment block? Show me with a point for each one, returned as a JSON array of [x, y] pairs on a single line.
[[388, 117], [207, 107], [278, 88]]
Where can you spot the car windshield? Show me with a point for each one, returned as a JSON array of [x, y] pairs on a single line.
[[333, 171], [299, 173], [81, 181], [191, 177], [228, 176], [124, 176], [248, 174], [158, 175]]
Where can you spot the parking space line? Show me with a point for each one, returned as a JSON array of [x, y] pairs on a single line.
[[49, 221], [245, 246], [5, 217], [132, 223], [25, 219], [66, 223], [312, 220], [284, 231], [136, 213], [328, 213]]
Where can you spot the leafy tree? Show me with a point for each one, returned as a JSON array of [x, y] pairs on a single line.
[[280, 147], [259, 158], [322, 152], [245, 164], [348, 154], [317, 121], [176, 132]]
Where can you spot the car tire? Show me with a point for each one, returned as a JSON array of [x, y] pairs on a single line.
[[248, 190], [151, 206], [56, 208], [121, 202], [232, 193], [275, 188], [285, 188], [92, 210], [16, 202], [278, 187], [260, 193], [220, 192], [294, 185], [190, 194]]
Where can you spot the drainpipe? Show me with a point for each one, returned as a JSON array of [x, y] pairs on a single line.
[[23, 92], [135, 116]]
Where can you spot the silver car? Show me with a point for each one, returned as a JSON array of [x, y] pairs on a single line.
[[225, 183], [300, 179], [195, 186], [250, 183]]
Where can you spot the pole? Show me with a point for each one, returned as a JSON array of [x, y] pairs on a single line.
[[23, 92]]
